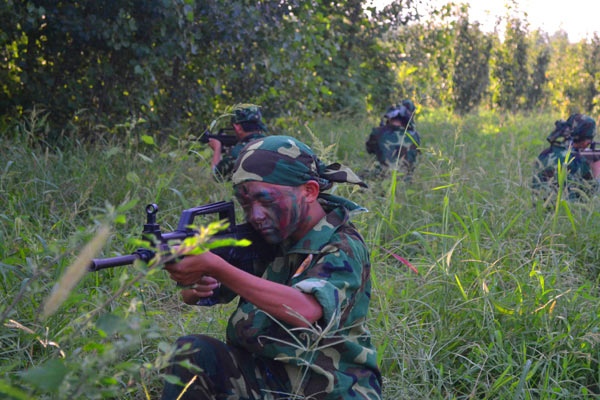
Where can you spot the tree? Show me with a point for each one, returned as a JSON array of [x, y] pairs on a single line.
[[538, 79], [591, 66], [471, 55], [510, 66]]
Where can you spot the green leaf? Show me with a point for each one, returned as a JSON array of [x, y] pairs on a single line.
[[228, 242], [325, 90], [172, 379], [147, 139], [109, 381], [93, 346], [145, 158], [47, 376]]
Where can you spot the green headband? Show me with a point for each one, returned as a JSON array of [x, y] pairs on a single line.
[[283, 160]]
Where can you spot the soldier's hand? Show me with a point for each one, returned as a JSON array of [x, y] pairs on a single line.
[[214, 144], [201, 289], [191, 269]]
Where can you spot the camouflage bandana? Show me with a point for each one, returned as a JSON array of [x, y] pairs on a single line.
[[283, 160], [248, 114], [584, 127], [402, 111]]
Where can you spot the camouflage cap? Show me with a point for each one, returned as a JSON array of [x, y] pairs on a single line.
[[248, 114], [403, 111], [283, 160], [583, 127], [409, 105]]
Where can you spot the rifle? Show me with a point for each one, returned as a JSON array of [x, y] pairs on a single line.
[[241, 257], [562, 136], [591, 154], [226, 140]]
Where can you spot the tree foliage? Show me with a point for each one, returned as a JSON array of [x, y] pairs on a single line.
[[174, 63], [175, 60], [471, 57], [510, 66]]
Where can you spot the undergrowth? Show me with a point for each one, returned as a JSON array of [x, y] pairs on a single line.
[[504, 304]]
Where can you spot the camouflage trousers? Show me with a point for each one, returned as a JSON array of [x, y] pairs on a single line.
[[223, 372]]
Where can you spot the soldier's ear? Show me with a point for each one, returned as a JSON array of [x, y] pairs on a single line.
[[311, 191]]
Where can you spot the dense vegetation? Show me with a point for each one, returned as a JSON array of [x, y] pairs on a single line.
[[97, 107], [504, 304], [174, 63]]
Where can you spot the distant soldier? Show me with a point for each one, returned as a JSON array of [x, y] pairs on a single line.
[[575, 138], [396, 142], [248, 125]]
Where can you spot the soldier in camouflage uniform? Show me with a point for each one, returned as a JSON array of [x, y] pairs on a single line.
[[299, 330], [569, 137], [396, 143], [248, 125]]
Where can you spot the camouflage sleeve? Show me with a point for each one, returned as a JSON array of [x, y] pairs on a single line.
[[224, 168], [335, 280]]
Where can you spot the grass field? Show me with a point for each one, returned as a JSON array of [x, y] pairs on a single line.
[[504, 305]]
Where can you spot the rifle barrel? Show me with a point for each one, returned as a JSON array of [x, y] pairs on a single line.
[[102, 263]]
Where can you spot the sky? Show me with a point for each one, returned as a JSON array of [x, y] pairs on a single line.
[[579, 18]]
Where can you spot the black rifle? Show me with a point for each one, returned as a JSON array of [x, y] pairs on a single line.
[[226, 140], [241, 257], [562, 136]]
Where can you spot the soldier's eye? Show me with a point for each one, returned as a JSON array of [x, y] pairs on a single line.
[[266, 202]]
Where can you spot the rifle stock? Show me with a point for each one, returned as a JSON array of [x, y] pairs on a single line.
[[241, 257]]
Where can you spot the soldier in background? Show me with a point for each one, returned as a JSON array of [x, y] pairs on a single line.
[[396, 142], [299, 330], [248, 125], [574, 137]]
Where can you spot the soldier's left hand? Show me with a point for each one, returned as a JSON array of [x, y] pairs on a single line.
[[191, 269], [214, 144]]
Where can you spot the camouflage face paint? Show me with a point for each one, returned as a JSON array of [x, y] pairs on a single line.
[[276, 211]]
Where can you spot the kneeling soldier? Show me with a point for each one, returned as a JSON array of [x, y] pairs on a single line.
[[574, 137], [299, 330], [396, 143], [248, 126]]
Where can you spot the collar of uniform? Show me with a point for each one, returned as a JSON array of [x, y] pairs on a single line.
[[319, 235]]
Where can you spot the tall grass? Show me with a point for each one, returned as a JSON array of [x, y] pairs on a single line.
[[504, 304]]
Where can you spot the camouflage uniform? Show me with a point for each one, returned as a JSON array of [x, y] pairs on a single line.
[[248, 114], [396, 147], [265, 358], [225, 167], [580, 178]]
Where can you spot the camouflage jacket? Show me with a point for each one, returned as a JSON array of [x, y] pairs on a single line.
[[335, 358], [579, 177], [394, 146], [225, 167]]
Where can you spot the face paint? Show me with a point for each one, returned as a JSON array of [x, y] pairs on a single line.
[[276, 211]]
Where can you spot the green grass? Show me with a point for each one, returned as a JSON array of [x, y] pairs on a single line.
[[505, 304]]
